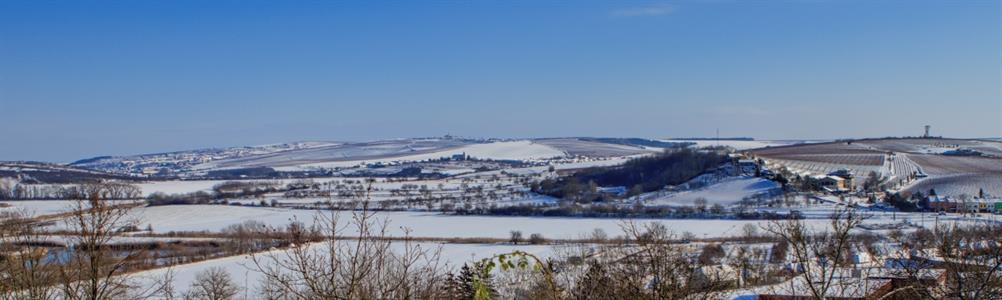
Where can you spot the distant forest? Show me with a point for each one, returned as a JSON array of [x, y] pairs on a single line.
[[715, 138], [639, 142], [638, 175]]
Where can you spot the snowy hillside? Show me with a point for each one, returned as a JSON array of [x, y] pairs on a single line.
[[522, 150], [725, 192], [739, 144], [181, 161]]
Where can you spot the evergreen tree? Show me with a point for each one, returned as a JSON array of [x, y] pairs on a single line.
[[465, 285]]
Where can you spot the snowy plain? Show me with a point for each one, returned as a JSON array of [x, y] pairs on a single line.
[[244, 271]]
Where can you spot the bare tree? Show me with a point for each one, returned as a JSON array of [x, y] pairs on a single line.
[[212, 284], [537, 239], [700, 204], [749, 231], [24, 273], [821, 255], [93, 269], [516, 237]]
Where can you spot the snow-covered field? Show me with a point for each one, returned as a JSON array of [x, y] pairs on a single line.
[[43, 207], [523, 150], [738, 145], [177, 186], [243, 269], [214, 218], [38, 207], [727, 192], [591, 148], [424, 224]]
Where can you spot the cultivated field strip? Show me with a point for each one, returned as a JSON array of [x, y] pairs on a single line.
[[947, 165], [960, 184], [820, 148], [821, 168], [840, 159], [902, 167]]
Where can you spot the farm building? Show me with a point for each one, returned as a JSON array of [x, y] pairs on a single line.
[[748, 166], [833, 183], [847, 288], [944, 204], [985, 206], [614, 190], [845, 174]]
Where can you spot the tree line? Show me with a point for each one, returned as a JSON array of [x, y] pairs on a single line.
[[639, 175]]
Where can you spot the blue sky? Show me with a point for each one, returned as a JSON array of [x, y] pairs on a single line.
[[87, 78]]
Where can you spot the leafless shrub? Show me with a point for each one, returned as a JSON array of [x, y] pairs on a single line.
[[361, 268], [648, 264], [88, 267], [24, 274], [537, 239]]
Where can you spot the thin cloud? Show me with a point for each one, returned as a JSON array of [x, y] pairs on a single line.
[[644, 11]]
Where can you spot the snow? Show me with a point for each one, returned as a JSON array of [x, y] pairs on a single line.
[[423, 224], [516, 150], [39, 207], [739, 145], [375, 150], [523, 150], [42, 207], [727, 192], [242, 268], [177, 186], [183, 187]]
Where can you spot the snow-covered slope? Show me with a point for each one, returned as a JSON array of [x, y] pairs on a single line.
[[244, 272], [181, 161], [313, 155], [726, 192], [738, 144], [523, 150], [346, 152]]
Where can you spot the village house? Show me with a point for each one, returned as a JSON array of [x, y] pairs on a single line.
[[846, 175], [832, 184], [942, 204], [861, 284]]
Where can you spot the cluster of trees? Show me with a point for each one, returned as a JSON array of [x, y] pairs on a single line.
[[641, 175], [225, 190], [641, 142], [231, 189], [13, 190], [647, 262], [612, 210], [471, 194]]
